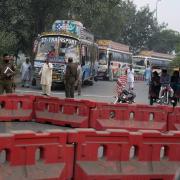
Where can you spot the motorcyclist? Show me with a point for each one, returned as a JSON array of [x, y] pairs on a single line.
[[154, 87], [175, 84], [123, 95], [165, 83]]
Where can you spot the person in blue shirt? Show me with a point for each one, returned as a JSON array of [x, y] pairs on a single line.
[[148, 74]]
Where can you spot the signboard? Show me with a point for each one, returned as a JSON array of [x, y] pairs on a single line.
[[71, 26], [50, 39]]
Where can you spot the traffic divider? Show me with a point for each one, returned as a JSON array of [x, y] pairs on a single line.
[[16, 107], [119, 154], [88, 114], [174, 119], [30, 155], [139, 78], [64, 112], [131, 117]]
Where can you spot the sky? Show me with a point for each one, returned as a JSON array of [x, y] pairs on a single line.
[[168, 11]]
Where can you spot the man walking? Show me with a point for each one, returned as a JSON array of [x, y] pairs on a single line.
[[70, 78], [79, 79], [7, 72], [46, 77], [26, 73], [130, 79]]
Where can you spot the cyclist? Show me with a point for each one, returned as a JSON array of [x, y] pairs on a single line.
[[175, 84], [165, 80]]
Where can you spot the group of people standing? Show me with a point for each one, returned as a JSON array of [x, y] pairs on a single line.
[[8, 71], [72, 78], [158, 83]]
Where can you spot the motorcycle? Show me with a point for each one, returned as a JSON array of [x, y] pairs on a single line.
[[126, 96], [122, 94], [165, 98]]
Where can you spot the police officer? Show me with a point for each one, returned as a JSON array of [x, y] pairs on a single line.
[[71, 76], [7, 72]]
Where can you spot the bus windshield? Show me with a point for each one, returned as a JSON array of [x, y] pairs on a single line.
[[57, 48], [102, 58], [139, 61]]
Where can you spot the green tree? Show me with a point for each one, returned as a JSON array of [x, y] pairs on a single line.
[[8, 42], [139, 29], [176, 61], [164, 41], [117, 20], [26, 18]]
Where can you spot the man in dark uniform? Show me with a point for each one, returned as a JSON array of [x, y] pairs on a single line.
[[71, 76], [7, 72]]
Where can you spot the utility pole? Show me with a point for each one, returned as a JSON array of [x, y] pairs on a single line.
[[157, 1]]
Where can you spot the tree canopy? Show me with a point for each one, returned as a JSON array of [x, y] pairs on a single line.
[[118, 20]]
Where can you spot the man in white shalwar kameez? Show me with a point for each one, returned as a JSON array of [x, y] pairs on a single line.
[[130, 79], [46, 77], [26, 73]]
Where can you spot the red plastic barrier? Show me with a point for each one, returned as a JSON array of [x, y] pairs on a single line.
[[139, 78], [29, 155], [119, 154], [65, 112], [130, 117], [16, 107], [174, 119]]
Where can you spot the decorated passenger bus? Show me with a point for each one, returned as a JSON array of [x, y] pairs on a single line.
[[67, 38], [115, 54]]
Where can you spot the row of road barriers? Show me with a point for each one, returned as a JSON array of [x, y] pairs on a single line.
[[89, 114], [82, 154], [139, 78], [106, 141]]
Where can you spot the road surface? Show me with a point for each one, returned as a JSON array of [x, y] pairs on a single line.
[[100, 91]]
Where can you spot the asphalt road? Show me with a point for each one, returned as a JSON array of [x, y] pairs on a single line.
[[100, 91]]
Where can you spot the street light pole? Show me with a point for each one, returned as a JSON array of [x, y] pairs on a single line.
[[157, 9]]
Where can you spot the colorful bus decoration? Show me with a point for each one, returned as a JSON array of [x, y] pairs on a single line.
[[115, 54], [68, 38]]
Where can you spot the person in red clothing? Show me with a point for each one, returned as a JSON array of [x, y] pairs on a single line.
[[123, 95], [121, 84]]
